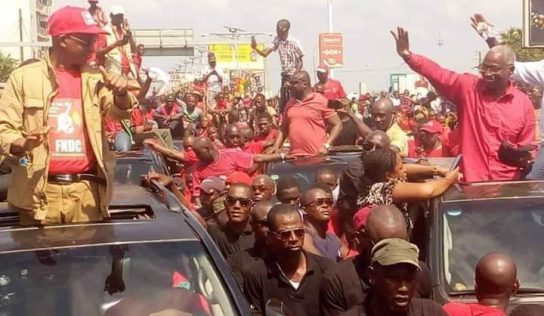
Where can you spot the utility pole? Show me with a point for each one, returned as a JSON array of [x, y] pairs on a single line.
[[21, 48], [329, 7]]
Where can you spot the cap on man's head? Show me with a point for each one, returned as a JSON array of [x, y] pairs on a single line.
[[72, 20], [432, 127], [360, 218], [322, 68], [393, 251], [117, 9], [239, 177], [210, 184]]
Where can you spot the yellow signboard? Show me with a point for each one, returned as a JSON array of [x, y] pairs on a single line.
[[243, 57]]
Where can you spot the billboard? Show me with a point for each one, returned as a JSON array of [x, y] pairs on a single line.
[[331, 49], [243, 58], [533, 23]]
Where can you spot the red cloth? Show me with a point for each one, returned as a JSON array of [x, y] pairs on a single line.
[[272, 135], [307, 124], [139, 118], [484, 120], [190, 158], [137, 60], [101, 42], [475, 309], [333, 90], [254, 147], [452, 143], [229, 160], [416, 150], [238, 177], [111, 125], [71, 150]]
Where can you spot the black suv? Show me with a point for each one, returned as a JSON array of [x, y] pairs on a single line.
[[150, 256]]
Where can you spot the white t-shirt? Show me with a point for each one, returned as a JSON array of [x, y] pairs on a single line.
[[213, 81]]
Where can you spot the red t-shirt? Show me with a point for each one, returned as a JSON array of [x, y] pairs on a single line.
[[71, 151], [475, 309], [139, 118], [333, 90], [416, 150], [266, 138], [229, 160], [111, 125], [254, 147], [307, 124]]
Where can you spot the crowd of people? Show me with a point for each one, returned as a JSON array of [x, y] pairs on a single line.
[[344, 246]]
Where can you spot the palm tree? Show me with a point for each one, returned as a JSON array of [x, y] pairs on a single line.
[[7, 65], [513, 37]]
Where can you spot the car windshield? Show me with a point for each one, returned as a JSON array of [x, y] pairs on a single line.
[[131, 166], [123, 279], [511, 226]]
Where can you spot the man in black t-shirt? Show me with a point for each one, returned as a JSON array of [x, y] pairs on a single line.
[[393, 275]]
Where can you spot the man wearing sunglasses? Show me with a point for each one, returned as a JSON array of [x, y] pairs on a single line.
[[346, 283], [264, 187], [237, 234], [51, 121], [317, 206], [289, 274]]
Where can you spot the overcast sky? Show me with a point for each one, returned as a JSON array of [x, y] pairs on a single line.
[[369, 51]]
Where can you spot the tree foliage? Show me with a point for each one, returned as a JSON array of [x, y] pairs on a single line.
[[513, 37], [7, 65]]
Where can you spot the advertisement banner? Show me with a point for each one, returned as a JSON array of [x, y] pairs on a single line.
[[331, 49], [243, 58]]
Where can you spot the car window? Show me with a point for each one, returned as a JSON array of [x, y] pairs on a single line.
[[125, 279], [513, 227], [130, 168]]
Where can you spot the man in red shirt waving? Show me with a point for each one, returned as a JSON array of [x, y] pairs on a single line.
[[306, 119], [496, 120], [51, 120]]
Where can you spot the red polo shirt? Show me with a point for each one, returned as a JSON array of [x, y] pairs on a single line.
[[475, 309], [306, 120], [484, 121], [333, 90]]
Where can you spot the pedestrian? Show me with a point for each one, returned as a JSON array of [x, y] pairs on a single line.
[[495, 118], [211, 199], [213, 76], [266, 131], [328, 177], [259, 108], [192, 115], [237, 234], [332, 89], [233, 136], [289, 274], [427, 143], [317, 208], [240, 261], [291, 53], [264, 187], [170, 116], [393, 274], [65, 155], [495, 282], [384, 120], [306, 120], [347, 283], [97, 13], [289, 190]]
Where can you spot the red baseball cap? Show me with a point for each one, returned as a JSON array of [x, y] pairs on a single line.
[[359, 219], [322, 68], [72, 20], [238, 177], [432, 127]]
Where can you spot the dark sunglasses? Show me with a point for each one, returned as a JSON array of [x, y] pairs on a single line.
[[322, 201], [285, 235], [245, 202]]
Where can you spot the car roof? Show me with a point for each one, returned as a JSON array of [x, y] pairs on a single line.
[[154, 223], [494, 190]]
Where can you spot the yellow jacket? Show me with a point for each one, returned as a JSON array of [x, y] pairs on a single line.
[[24, 106]]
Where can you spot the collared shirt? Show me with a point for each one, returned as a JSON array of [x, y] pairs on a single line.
[[333, 90], [306, 122], [484, 121], [230, 242], [398, 138], [264, 281], [531, 73], [290, 51], [240, 261], [213, 83]]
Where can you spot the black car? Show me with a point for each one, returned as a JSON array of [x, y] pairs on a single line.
[[471, 220], [146, 258]]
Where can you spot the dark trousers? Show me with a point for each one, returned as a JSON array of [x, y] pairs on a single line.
[[284, 92]]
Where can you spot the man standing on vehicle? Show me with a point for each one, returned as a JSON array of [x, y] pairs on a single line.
[[290, 51], [332, 89], [289, 274], [496, 119], [213, 76], [496, 281], [306, 120], [51, 120]]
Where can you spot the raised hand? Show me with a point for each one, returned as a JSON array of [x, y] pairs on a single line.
[[117, 84], [480, 25], [403, 42]]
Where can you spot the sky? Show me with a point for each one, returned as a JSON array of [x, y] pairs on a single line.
[[369, 49]]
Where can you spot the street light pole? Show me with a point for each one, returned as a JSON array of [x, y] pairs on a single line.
[[329, 7]]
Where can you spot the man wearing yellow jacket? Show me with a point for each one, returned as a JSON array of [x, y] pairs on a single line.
[[51, 123]]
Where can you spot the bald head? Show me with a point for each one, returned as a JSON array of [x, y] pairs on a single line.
[[379, 138], [386, 221], [233, 136], [264, 187], [496, 276], [503, 53], [260, 211], [263, 179], [383, 103], [382, 113], [204, 149]]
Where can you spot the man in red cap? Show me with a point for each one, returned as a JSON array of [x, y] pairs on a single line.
[[333, 89], [51, 120], [428, 141]]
